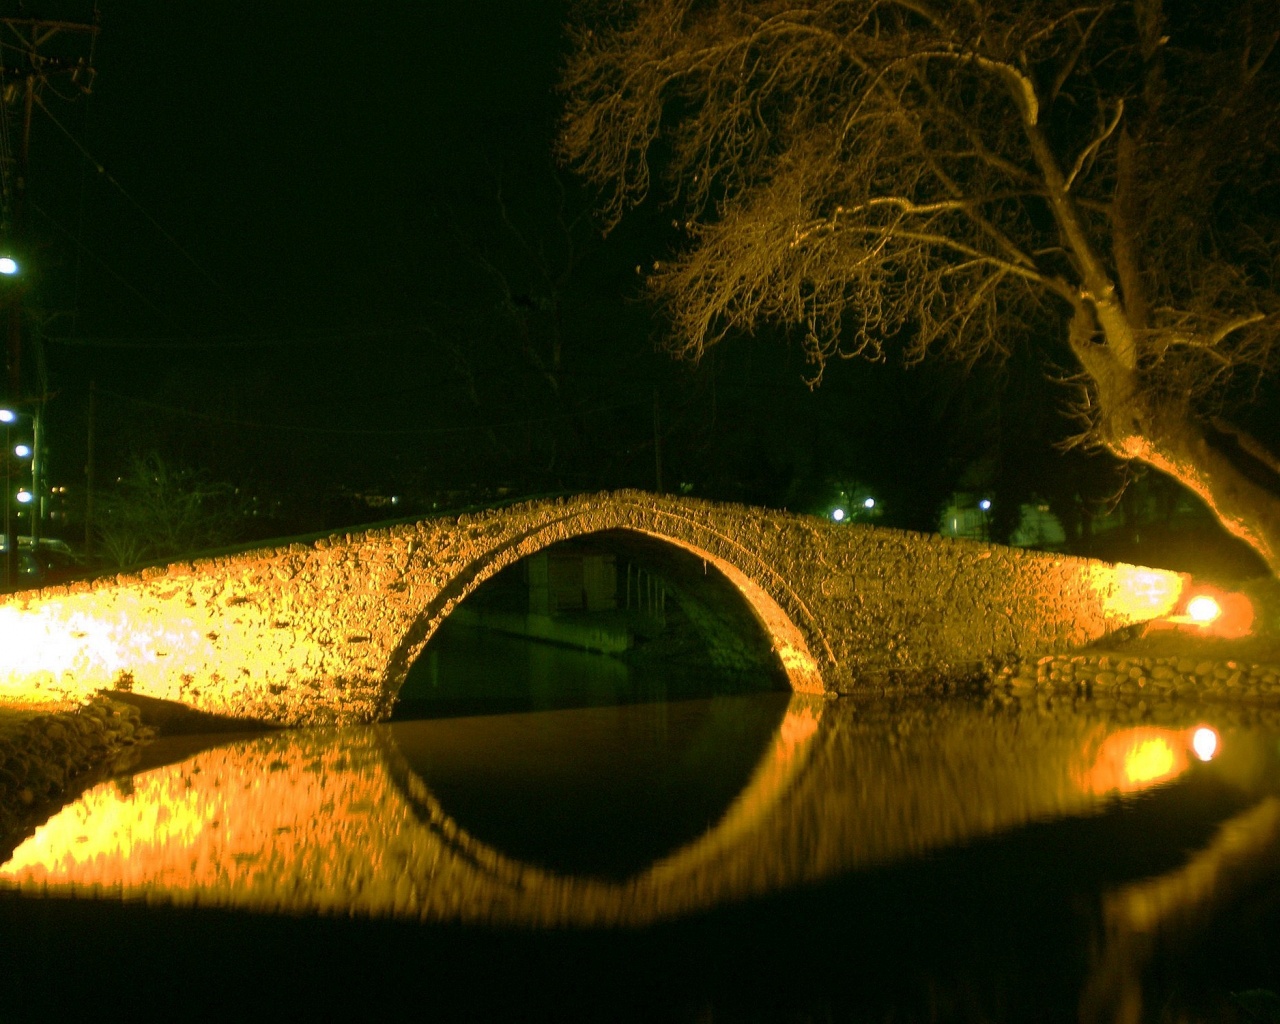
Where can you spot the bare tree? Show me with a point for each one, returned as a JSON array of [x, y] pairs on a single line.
[[959, 177], [160, 510]]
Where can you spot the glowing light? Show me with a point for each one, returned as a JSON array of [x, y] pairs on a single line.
[[1149, 761], [8, 266], [23, 451], [1135, 759], [1204, 741], [869, 503], [1135, 594], [837, 514], [1216, 612], [8, 416], [25, 497], [985, 504], [1203, 608]]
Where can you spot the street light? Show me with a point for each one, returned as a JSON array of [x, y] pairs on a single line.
[[28, 494], [9, 266]]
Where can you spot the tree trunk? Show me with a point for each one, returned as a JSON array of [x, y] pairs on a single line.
[[1166, 436]]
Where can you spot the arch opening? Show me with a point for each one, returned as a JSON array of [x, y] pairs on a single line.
[[610, 617], [595, 706]]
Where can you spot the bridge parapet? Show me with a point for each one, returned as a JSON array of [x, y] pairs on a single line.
[[325, 631]]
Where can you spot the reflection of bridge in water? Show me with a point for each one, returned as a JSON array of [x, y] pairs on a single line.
[[334, 821], [324, 632]]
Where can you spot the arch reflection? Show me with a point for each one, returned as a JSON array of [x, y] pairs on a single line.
[[597, 791], [337, 821]]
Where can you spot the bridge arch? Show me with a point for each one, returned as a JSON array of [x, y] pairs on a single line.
[[322, 630], [788, 624]]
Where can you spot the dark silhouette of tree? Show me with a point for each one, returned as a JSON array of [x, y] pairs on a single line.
[[159, 509], [958, 179]]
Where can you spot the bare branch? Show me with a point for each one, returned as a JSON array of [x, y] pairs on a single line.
[[1089, 150]]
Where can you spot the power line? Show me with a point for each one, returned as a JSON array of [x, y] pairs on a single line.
[[82, 248], [192, 342], [366, 432], [136, 205]]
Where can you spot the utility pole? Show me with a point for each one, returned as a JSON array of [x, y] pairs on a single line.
[[34, 51], [88, 472], [657, 442]]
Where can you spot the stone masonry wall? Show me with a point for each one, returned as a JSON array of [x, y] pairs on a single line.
[[325, 631]]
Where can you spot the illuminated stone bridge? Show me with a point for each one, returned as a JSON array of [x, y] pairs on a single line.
[[325, 631]]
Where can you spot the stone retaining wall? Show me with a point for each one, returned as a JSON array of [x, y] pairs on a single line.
[[1140, 684]]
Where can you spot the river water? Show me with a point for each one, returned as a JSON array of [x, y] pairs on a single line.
[[736, 856]]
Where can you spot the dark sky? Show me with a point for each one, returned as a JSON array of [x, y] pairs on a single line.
[[294, 238], [329, 250], [288, 148]]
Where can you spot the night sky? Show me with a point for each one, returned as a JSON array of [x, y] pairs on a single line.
[[329, 259], [290, 248]]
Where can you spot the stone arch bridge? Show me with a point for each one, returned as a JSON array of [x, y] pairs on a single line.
[[325, 631]]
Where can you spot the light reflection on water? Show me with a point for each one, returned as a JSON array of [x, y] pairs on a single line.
[[1015, 864], [349, 822]]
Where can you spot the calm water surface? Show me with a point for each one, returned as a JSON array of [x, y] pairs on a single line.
[[741, 857]]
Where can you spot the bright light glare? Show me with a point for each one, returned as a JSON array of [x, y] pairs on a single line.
[[837, 514], [24, 497], [1204, 741], [985, 504], [1203, 609], [8, 265], [22, 450], [1149, 761], [869, 503], [7, 416]]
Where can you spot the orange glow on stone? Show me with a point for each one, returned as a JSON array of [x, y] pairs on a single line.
[[1210, 611], [1133, 593]]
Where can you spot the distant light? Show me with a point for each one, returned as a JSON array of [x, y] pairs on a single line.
[[1204, 741], [25, 497], [22, 450], [869, 503], [1203, 609], [837, 514], [8, 416], [8, 266], [395, 499], [985, 504]]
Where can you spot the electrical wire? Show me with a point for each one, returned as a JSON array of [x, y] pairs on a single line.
[[362, 431], [193, 343], [136, 205], [81, 247]]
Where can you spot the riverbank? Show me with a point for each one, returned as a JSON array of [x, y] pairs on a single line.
[[51, 752], [47, 751]]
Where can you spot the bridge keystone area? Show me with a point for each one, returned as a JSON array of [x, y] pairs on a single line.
[[325, 631]]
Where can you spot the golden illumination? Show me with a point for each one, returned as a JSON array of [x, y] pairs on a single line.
[[335, 822], [1149, 761], [329, 821], [1213, 612], [1134, 594], [1135, 759]]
